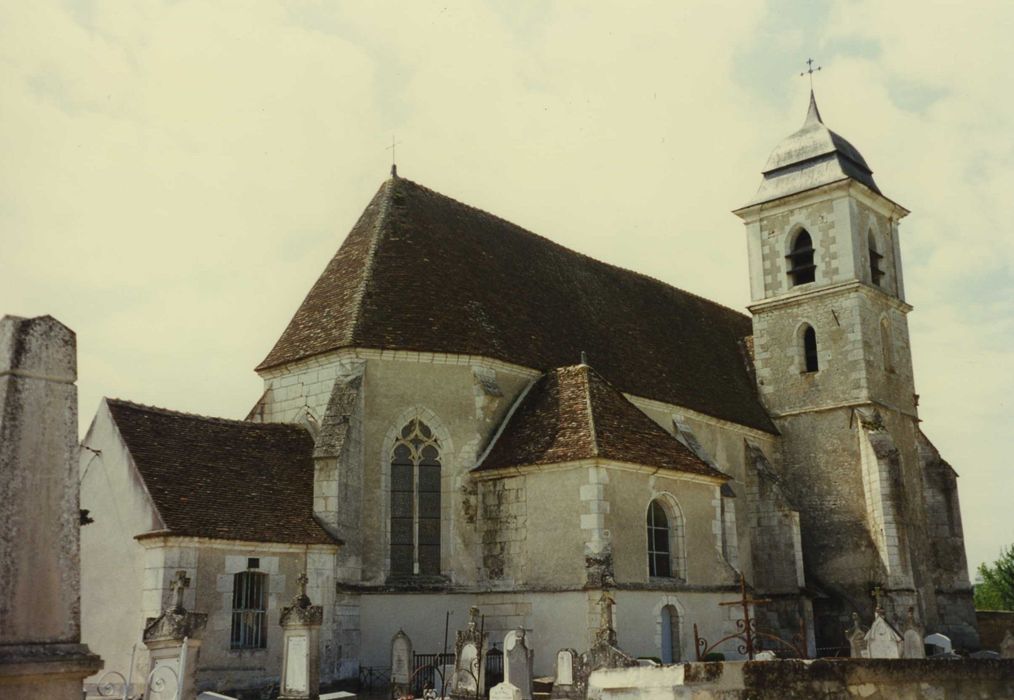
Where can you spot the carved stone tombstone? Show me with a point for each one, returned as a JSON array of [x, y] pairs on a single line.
[[518, 662], [469, 655], [1007, 646], [857, 639], [913, 647], [301, 647], [401, 664], [603, 653], [883, 641], [174, 640]]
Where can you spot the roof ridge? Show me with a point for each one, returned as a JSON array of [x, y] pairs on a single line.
[[578, 253], [371, 254], [184, 414], [585, 372]]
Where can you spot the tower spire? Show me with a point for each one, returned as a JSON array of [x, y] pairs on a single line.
[[813, 114]]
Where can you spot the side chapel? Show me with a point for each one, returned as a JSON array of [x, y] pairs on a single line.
[[545, 427]]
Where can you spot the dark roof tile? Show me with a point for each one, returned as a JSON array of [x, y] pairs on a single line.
[[573, 413], [224, 479], [421, 271]]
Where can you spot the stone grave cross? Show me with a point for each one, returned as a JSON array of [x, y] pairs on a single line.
[[178, 585]]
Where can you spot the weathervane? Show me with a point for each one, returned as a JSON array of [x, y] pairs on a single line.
[[810, 71]]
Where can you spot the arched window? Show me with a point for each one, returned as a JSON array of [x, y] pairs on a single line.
[[249, 610], [801, 266], [672, 651], [886, 346], [415, 501], [810, 359], [875, 272], [666, 553]]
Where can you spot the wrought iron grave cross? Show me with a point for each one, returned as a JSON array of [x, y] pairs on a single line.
[[745, 601]]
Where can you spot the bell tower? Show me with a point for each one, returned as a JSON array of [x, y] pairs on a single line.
[[833, 367]]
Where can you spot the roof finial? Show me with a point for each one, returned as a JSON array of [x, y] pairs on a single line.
[[810, 70], [394, 160], [812, 114], [584, 357]]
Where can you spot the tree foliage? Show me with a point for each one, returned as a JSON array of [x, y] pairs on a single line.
[[996, 592]]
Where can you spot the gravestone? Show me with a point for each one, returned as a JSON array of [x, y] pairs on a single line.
[[174, 640], [564, 667], [469, 654], [301, 646], [857, 639], [1007, 646], [938, 643], [401, 664], [518, 661], [883, 641], [913, 647], [504, 691]]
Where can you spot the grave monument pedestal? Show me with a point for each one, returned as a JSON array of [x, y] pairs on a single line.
[[174, 641], [301, 646], [41, 655]]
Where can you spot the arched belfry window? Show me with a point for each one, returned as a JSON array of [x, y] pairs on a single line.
[[876, 274], [801, 266], [810, 359], [415, 501], [666, 553]]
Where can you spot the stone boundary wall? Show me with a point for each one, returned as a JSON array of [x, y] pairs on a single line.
[[828, 679], [993, 625]]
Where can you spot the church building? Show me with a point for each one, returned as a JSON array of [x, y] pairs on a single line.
[[464, 413]]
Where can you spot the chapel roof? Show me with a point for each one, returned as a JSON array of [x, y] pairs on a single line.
[[420, 271], [223, 479], [810, 157], [573, 413]]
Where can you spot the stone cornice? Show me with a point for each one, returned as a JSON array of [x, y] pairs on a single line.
[[837, 289]]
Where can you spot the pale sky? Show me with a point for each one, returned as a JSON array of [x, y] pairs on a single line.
[[175, 175]]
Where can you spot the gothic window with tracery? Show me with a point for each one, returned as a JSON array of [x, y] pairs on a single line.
[[801, 266], [415, 501]]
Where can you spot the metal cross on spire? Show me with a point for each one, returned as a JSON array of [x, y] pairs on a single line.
[[810, 71], [394, 156]]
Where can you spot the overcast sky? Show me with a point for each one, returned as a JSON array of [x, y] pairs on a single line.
[[175, 175]]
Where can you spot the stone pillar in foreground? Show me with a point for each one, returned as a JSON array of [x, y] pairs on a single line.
[[41, 655], [301, 644], [174, 640]]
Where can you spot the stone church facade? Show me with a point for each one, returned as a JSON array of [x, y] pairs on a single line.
[[463, 413]]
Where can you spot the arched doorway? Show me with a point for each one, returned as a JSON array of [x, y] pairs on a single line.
[[671, 651]]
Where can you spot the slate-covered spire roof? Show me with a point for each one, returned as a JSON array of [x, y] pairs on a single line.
[[420, 271], [573, 413], [223, 479], [812, 156]]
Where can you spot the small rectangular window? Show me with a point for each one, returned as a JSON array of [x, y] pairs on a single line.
[[253, 563], [249, 610]]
